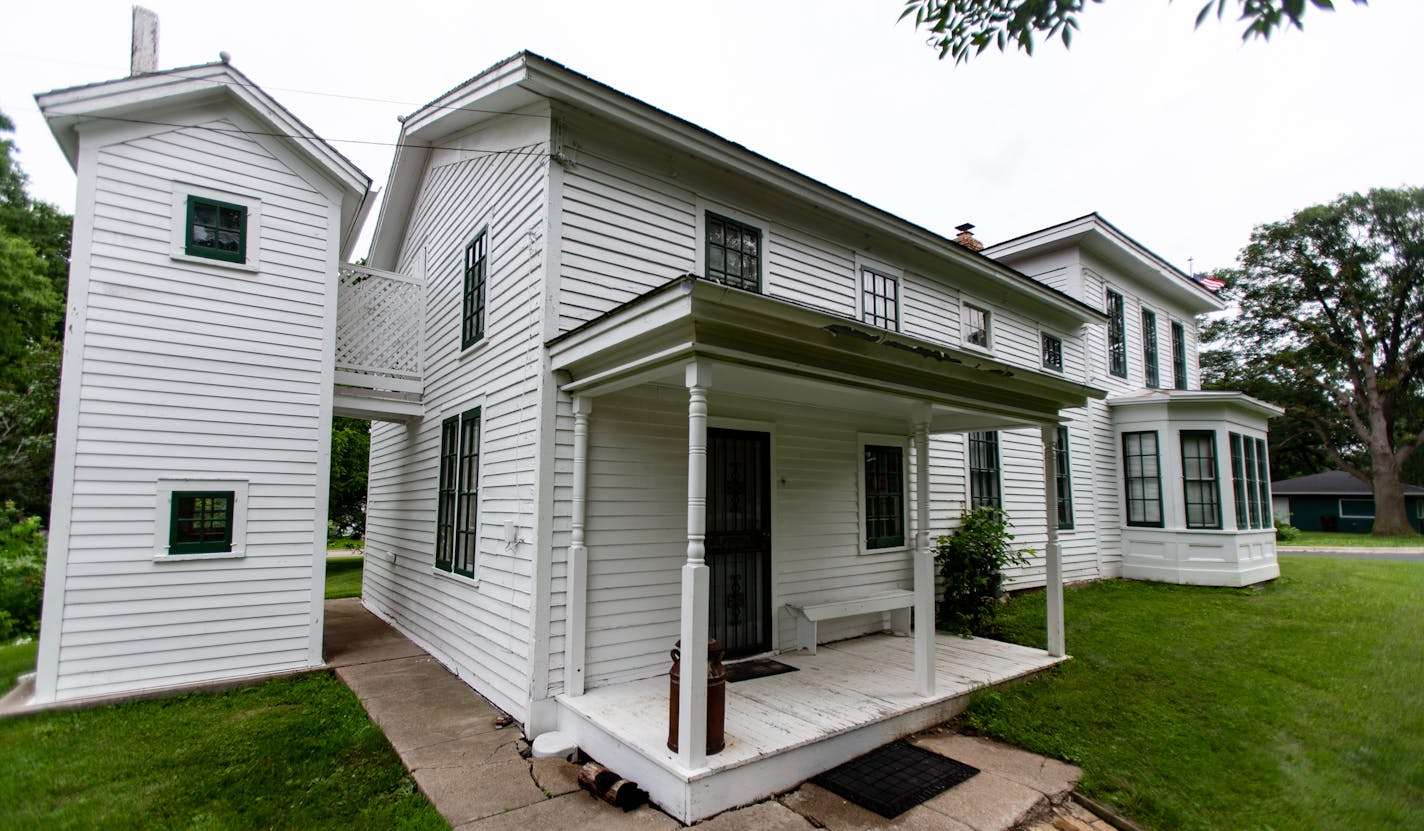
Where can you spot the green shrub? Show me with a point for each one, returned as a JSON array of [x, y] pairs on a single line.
[[22, 567], [1286, 533], [971, 560]]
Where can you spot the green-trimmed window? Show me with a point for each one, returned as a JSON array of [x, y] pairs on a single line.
[[1179, 355], [1142, 478], [1117, 334], [200, 522], [1251, 481], [1052, 352], [1064, 477], [884, 496], [1149, 349], [457, 526], [984, 470], [472, 304], [1201, 492], [733, 253], [879, 299], [216, 230]]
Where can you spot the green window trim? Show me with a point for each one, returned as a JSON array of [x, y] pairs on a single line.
[[884, 497], [1149, 349], [215, 230], [984, 484], [1063, 474], [733, 252], [472, 295], [1179, 355], [200, 522], [1142, 479], [1201, 486], [457, 525], [1117, 334]]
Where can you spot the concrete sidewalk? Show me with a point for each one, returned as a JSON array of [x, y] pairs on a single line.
[[470, 761], [1412, 554]]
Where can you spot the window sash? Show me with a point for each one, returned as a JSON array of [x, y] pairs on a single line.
[[1179, 355], [884, 497], [1052, 352], [216, 230], [879, 299], [1117, 334], [472, 299], [1238, 484], [984, 470], [1142, 478], [733, 253], [1201, 492], [976, 326], [1149, 349], [200, 522], [1263, 484], [1063, 474], [457, 501]]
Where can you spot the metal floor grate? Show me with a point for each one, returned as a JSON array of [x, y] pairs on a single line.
[[891, 780]]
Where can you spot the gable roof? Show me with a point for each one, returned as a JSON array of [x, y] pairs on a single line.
[[526, 77], [1331, 483], [149, 97]]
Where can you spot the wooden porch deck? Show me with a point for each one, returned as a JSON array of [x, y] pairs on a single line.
[[850, 697]]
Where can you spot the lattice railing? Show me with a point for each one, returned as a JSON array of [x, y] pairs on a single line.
[[379, 322]]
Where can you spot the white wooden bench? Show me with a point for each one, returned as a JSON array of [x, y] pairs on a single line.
[[898, 603]]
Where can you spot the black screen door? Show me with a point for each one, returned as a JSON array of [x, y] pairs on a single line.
[[739, 540]]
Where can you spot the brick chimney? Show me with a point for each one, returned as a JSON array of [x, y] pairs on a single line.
[[966, 237]]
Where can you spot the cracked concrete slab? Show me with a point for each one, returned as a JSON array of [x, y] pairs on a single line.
[[555, 777], [764, 816], [1049, 777], [465, 793], [827, 810], [575, 810]]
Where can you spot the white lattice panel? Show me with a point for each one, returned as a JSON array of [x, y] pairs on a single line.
[[379, 317]]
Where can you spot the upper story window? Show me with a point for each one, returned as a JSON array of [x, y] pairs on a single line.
[[1200, 492], [1149, 349], [879, 298], [1052, 352], [1142, 478], [457, 528], [1064, 479], [472, 304], [984, 470], [733, 253], [1117, 334], [216, 230], [1179, 355], [976, 326], [884, 496]]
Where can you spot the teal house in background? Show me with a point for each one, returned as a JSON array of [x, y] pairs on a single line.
[[1336, 501]]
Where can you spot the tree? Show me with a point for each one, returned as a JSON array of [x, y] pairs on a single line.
[[1331, 311], [350, 454], [964, 28]]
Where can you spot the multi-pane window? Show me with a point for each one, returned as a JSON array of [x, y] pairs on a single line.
[[216, 230], [884, 496], [200, 522], [1052, 352], [733, 253], [1200, 492], [976, 326], [1063, 475], [879, 298], [1179, 355], [1149, 348], [1250, 481], [1117, 334], [984, 470], [457, 501], [1142, 478], [472, 306]]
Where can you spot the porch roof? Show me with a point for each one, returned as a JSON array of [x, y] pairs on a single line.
[[770, 348]]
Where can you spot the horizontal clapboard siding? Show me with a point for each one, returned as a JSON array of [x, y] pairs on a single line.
[[201, 371], [484, 630]]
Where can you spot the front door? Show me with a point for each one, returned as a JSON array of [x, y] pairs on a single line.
[[739, 540]]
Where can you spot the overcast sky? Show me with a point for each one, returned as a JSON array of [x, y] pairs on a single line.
[[1185, 139]]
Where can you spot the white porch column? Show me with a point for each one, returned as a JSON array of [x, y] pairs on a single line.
[[578, 552], [924, 564], [692, 703], [1054, 576]]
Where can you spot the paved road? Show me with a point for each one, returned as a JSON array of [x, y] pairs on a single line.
[[1408, 555]]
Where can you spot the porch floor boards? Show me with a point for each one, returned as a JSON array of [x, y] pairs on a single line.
[[846, 686]]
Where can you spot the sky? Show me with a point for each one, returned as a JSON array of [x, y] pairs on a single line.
[[1185, 139]]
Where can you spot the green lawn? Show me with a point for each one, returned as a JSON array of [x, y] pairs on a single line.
[[1297, 705], [16, 660], [1329, 539], [345, 543], [343, 577], [288, 753]]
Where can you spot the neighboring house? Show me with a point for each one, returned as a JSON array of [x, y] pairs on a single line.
[[630, 383], [1336, 501]]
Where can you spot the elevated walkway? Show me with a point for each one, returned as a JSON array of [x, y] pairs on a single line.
[[380, 362]]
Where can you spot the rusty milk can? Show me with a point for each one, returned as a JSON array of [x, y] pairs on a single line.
[[716, 696]]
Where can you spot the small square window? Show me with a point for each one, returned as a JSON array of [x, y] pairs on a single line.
[[976, 326], [1052, 352], [733, 253], [200, 522], [216, 230]]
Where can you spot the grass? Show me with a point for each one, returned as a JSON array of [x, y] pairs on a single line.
[[1336, 539], [1296, 705], [288, 753], [345, 543], [343, 576], [16, 659]]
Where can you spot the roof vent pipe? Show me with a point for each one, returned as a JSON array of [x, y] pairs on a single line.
[[966, 237], [143, 54]]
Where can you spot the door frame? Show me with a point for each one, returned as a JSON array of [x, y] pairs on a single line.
[[769, 428]]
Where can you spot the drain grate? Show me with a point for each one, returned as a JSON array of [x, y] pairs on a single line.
[[892, 779], [757, 668]]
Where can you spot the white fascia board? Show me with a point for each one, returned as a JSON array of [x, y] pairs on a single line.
[[1222, 398]]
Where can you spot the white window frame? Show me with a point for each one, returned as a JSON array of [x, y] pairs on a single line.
[[863, 264], [699, 261], [886, 440], [178, 225], [965, 303], [163, 514]]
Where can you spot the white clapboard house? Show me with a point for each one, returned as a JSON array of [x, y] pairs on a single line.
[[629, 383]]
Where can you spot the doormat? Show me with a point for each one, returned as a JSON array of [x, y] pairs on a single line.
[[892, 779], [757, 668]]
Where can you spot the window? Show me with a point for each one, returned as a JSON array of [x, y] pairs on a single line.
[[976, 326], [1251, 482], [216, 230], [200, 522], [457, 510], [1052, 352], [472, 304], [1179, 355], [1357, 508], [733, 253], [984, 470], [884, 496], [1117, 335], [879, 299], [1149, 348], [1200, 490], [1063, 474], [1142, 476]]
